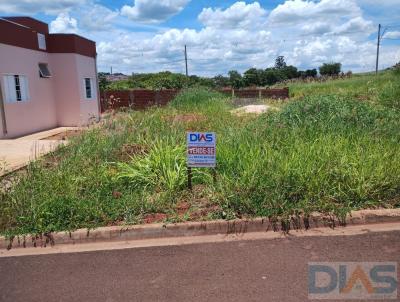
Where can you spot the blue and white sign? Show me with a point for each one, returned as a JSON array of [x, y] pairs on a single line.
[[201, 149]]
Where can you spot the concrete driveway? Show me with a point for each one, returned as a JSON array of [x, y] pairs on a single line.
[[17, 153]]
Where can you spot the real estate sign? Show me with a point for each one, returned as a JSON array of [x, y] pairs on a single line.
[[201, 149]]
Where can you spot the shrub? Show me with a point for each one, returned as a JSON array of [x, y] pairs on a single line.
[[235, 79], [193, 98], [163, 168], [389, 95], [330, 69]]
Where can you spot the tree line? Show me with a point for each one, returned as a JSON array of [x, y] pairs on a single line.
[[270, 76], [252, 77]]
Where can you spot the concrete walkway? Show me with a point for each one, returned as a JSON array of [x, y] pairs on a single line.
[[17, 153]]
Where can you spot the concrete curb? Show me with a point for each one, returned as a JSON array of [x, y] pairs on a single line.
[[153, 231]]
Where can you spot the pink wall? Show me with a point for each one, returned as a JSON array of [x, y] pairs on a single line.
[[64, 70], [56, 101], [1, 122], [39, 112], [69, 71], [89, 108]]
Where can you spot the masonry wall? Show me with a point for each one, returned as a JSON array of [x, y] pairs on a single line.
[[142, 98], [137, 99]]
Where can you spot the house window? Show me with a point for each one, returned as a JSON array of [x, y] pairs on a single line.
[[41, 41], [88, 88], [44, 70], [16, 88]]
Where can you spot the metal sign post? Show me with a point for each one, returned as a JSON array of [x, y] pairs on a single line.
[[201, 153]]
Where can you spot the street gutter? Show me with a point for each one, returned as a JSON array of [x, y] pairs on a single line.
[[205, 228]]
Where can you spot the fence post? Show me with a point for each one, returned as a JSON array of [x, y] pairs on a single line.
[[157, 98], [259, 94], [131, 98], [233, 92]]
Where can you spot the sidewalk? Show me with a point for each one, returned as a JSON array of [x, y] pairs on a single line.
[[17, 153]]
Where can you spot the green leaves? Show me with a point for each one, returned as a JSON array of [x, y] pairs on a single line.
[[163, 168]]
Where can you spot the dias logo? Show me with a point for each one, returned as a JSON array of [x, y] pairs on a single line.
[[352, 280], [201, 137]]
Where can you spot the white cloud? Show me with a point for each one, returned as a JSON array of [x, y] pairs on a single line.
[[356, 25], [392, 35], [238, 37], [64, 24], [153, 11], [317, 28], [31, 7], [239, 15], [298, 11], [97, 18]]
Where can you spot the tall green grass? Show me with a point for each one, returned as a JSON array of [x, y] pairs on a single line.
[[329, 151], [383, 87]]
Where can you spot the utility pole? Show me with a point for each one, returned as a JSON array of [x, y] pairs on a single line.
[[377, 49], [186, 63]]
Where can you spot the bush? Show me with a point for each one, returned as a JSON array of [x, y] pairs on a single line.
[[235, 79], [330, 69], [193, 98], [389, 95], [163, 168]]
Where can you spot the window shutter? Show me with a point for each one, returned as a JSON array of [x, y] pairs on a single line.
[[41, 41], [9, 88], [84, 88], [24, 88]]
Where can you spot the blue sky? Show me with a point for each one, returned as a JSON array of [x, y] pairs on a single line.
[[149, 35]]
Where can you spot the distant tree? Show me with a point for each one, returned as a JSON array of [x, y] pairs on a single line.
[[205, 82], [330, 69], [235, 79], [221, 81], [103, 82], [252, 77], [312, 73], [280, 62], [302, 74], [271, 76], [290, 72], [309, 73]]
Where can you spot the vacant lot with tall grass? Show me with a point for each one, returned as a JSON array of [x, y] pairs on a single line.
[[334, 148]]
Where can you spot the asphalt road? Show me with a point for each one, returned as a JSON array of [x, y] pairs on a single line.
[[257, 270]]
